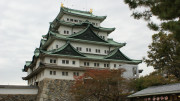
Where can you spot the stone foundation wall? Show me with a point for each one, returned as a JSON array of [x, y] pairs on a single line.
[[54, 90], [17, 97]]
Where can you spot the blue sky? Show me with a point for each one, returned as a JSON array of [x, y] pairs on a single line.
[[23, 22]]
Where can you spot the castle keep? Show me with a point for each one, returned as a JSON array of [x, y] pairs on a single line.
[[76, 41]]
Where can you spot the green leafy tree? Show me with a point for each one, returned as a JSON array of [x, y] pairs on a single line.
[[164, 54], [153, 79], [103, 85], [167, 11]]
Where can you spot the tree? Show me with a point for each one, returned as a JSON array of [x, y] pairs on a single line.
[[164, 51], [167, 11], [103, 85], [164, 55], [153, 79]]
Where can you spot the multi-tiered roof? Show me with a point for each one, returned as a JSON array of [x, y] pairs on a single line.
[[87, 35]]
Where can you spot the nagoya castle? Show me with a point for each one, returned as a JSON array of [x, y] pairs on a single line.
[[75, 41]]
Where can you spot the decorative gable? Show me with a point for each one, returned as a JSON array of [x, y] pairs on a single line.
[[117, 55], [68, 50], [87, 34]]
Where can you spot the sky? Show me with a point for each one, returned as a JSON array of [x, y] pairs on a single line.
[[23, 22]]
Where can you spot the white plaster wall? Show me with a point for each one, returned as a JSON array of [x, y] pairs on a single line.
[[29, 71], [18, 91], [47, 60], [82, 45], [103, 34], [37, 63], [91, 64], [129, 70], [92, 46], [75, 29], [60, 43], [62, 28], [59, 74], [65, 16], [59, 61], [118, 65], [70, 62]]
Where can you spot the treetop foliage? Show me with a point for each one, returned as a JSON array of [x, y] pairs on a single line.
[[103, 85], [153, 79], [164, 54]]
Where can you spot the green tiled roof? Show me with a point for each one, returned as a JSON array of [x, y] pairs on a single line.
[[79, 13], [28, 63], [61, 22], [91, 56], [67, 49], [54, 35], [118, 55]]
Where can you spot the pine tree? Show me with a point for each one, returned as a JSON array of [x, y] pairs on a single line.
[[164, 53]]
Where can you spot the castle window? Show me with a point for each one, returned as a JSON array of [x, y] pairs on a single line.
[[64, 73], [52, 60], [78, 48], [103, 37], [96, 64], [67, 61], [71, 20], [134, 70], [56, 46], [64, 31], [50, 72], [73, 62], [86, 63], [76, 73], [63, 62], [106, 51], [114, 65], [88, 49], [67, 19], [54, 72], [75, 20], [106, 65], [97, 50]]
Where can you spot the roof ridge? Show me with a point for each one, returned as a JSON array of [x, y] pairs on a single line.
[[66, 8]]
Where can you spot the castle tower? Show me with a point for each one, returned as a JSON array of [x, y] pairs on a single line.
[[76, 41]]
